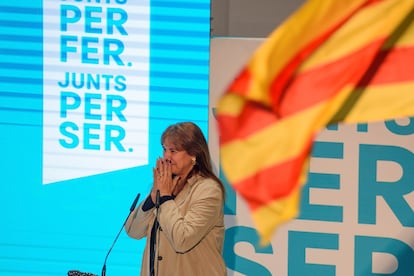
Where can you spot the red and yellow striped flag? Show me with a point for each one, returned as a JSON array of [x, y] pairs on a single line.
[[331, 61]]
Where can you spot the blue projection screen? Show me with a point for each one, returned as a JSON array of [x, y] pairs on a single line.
[[86, 89]]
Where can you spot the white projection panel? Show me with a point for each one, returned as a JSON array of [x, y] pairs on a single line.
[[95, 87]]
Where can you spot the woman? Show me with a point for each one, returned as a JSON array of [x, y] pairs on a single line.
[[187, 238]]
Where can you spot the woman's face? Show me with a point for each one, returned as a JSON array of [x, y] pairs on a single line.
[[181, 161]]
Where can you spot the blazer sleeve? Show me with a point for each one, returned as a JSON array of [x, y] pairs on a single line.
[[203, 212], [139, 221]]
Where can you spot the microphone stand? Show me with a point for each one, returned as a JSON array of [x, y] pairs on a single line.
[[131, 209], [157, 205]]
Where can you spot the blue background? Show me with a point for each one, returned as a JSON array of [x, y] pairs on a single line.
[[50, 229]]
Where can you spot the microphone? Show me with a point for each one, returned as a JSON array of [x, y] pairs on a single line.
[[157, 199], [132, 208], [116, 238]]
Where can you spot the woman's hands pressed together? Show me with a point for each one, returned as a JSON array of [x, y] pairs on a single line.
[[163, 179]]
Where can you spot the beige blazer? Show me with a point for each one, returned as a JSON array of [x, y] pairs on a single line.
[[192, 231]]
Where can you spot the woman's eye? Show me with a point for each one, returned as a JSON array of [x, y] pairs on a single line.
[[169, 150]]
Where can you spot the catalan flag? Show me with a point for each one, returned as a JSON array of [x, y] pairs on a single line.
[[331, 61]]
